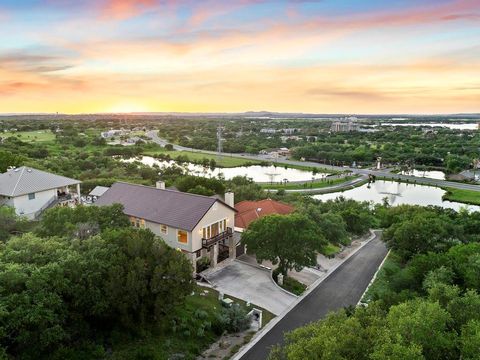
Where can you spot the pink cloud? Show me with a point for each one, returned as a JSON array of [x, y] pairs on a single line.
[[467, 10], [123, 9], [206, 10]]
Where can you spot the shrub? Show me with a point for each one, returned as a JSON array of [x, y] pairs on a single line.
[[233, 319], [289, 284], [203, 264]]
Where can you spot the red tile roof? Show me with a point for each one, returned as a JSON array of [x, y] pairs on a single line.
[[249, 211]]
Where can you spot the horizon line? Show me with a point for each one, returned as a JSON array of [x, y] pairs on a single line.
[[237, 113]]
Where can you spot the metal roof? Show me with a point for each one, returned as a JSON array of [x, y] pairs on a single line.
[[168, 207], [98, 190], [25, 180]]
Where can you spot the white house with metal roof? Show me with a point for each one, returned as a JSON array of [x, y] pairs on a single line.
[[31, 191]]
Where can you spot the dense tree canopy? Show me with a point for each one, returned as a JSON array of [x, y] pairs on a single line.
[[425, 303], [62, 291]]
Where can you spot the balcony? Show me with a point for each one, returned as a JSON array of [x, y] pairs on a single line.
[[227, 234]]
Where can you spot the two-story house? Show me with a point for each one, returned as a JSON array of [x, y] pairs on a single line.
[[31, 191], [197, 225]]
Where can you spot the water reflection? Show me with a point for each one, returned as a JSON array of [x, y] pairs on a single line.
[[397, 194], [260, 174], [455, 126]]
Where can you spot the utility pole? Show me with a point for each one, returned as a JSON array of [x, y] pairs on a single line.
[[219, 139], [475, 166]]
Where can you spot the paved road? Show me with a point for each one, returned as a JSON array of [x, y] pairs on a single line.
[[343, 287], [378, 173]]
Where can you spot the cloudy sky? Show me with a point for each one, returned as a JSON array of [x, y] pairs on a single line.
[[342, 56]]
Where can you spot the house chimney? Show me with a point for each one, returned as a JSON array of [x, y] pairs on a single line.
[[160, 185], [230, 199]]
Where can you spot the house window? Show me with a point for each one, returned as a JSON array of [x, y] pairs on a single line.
[[31, 196], [214, 229], [182, 236], [139, 223], [164, 229]]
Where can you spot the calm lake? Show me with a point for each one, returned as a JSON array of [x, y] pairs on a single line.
[[397, 194], [260, 174], [454, 126]]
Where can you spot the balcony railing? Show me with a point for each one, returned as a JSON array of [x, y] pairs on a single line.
[[217, 238]]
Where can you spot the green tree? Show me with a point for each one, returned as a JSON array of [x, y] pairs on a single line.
[[291, 241], [201, 190], [61, 221], [387, 349], [58, 292], [330, 224], [10, 223], [464, 308], [8, 159], [466, 262], [424, 232], [337, 337], [423, 323], [245, 189], [470, 340]]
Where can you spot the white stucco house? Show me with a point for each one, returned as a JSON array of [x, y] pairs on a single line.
[[31, 191]]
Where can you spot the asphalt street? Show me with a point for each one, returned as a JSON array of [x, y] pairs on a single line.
[[342, 288]]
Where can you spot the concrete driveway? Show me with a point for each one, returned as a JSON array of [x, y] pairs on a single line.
[[251, 283]]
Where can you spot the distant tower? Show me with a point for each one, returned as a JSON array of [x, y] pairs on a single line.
[[219, 138]]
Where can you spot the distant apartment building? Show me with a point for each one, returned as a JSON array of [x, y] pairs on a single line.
[[290, 131], [347, 124]]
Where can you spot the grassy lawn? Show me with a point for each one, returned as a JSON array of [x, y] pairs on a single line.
[[463, 196], [330, 250], [189, 334], [308, 168], [31, 136], [223, 161], [318, 184]]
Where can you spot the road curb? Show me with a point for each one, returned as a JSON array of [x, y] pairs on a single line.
[[374, 277], [278, 286], [260, 334]]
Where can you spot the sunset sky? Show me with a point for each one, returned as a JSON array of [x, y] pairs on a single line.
[[350, 56]]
